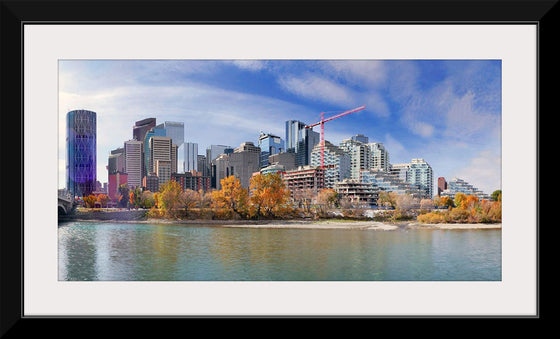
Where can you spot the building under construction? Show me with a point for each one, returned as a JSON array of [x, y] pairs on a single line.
[[305, 178], [357, 193]]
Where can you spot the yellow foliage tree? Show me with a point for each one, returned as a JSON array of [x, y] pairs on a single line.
[[170, 199], [232, 196], [459, 198], [388, 199]]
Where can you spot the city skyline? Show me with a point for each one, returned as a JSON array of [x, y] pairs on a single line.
[[447, 112]]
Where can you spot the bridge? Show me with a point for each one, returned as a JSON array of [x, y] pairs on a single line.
[[66, 203]]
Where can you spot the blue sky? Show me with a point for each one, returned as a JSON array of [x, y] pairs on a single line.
[[447, 112]]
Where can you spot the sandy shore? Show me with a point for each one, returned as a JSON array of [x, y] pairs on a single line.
[[309, 224], [455, 226]]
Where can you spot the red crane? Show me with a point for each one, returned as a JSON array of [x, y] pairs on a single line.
[[322, 123]]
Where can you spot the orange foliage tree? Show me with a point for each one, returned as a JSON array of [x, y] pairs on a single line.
[[103, 199], [90, 200], [269, 195]]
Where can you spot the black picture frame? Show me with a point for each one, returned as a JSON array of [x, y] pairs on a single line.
[[16, 14]]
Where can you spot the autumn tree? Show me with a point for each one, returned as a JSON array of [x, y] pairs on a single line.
[[268, 195], [170, 198], [189, 199], [404, 202], [204, 199], [131, 199], [89, 201], [459, 199], [157, 199], [326, 198], [123, 198], [232, 196], [304, 198], [427, 204], [444, 201], [497, 195], [147, 199], [387, 199], [103, 199], [470, 202]]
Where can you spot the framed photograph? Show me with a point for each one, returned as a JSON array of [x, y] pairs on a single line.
[[346, 162]]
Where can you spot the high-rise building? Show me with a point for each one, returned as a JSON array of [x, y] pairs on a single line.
[[420, 173], [157, 131], [361, 138], [151, 182], [286, 160], [141, 127], [242, 163], [300, 140], [160, 149], [202, 164], [81, 155], [359, 152], [192, 180], [400, 170], [187, 157], [441, 185], [213, 151], [116, 161], [269, 144], [174, 151], [133, 162], [163, 171], [176, 131], [336, 161], [379, 157]]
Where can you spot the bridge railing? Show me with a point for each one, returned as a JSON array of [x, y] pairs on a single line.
[[65, 195]]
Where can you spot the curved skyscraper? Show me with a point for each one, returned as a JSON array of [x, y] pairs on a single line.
[[81, 146]]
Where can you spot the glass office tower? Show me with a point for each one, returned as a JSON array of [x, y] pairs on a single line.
[[176, 131], [81, 152], [300, 140], [270, 144]]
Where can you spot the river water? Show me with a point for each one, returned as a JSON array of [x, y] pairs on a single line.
[[164, 252]]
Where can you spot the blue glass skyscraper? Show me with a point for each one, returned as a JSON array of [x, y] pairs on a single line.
[[300, 140], [269, 144], [81, 156]]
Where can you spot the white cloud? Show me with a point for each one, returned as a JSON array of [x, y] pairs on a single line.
[[322, 89], [483, 171], [317, 88], [370, 73], [251, 65], [465, 122]]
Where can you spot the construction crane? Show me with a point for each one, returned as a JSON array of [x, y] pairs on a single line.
[[322, 123]]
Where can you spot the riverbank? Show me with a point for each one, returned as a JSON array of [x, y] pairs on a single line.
[[293, 224]]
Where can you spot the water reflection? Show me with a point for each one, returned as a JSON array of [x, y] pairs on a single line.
[[105, 251]]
